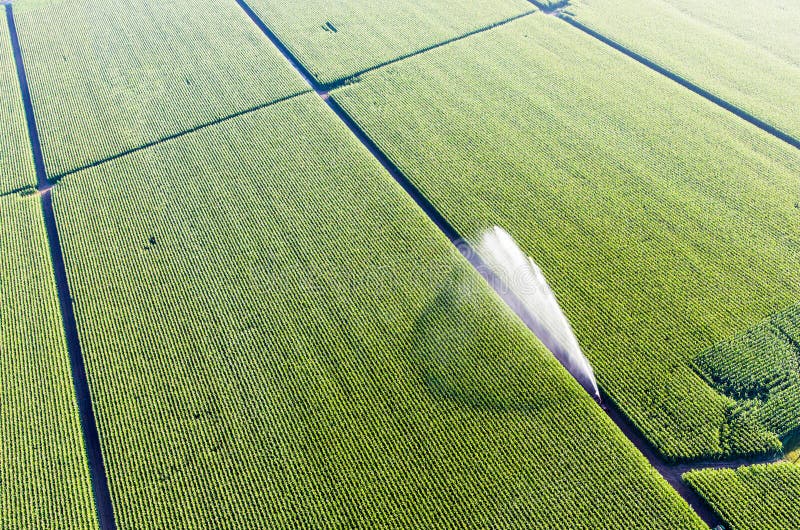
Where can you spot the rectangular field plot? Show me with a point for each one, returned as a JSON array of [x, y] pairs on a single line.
[[745, 52], [16, 162], [759, 497], [113, 75], [44, 478], [335, 40], [664, 223], [276, 337]]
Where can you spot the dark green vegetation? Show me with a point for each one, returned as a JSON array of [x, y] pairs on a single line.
[[761, 370], [744, 51], [44, 480], [16, 167], [277, 337], [664, 224], [135, 72], [335, 40], [760, 497]]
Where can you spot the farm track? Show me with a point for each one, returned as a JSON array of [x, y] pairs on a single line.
[[91, 437], [430, 210], [16, 191], [671, 472], [324, 88], [433, 214], [344, 81]]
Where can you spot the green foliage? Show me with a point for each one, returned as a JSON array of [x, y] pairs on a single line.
[[750, 365], [16, 162], [742, 433], [744, 52], [761, 369], [760, 497], [110, 76], [664, 223], [276, 337], [334, 40], [44, 478], [791, 447]]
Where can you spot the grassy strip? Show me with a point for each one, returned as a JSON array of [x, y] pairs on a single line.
[[44, 474], [665, 224], [289, 342]]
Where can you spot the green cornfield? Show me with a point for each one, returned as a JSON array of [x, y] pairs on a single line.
[[258, 206], [759, 497], [744, 52], [335, 40], [664, 228], [276, 337], [16, 164], [137, 72], [760, 369], [44, 478]]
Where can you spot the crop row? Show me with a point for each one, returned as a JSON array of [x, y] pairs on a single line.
[[111, 76], [760, 368], [336, 40], [746, 56], [16, 162], [289, 342], [664, 224], [759, 497], [44, 478], [750, 365]]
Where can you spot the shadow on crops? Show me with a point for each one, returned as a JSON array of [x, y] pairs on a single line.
[[468, 354]]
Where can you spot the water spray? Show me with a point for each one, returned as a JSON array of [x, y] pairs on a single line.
[[521, 284]]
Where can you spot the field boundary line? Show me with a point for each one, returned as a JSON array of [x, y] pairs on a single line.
[[21, 189], [91, 437], [373, 149], [350, 78], [27, 103], [164, 139], [641, 59], [461, 244], [324, 88], [288, 55]]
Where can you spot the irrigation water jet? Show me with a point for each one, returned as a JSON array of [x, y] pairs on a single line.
[[521, 284]]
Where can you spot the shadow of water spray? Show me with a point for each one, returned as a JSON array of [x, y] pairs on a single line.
[[522, 285], [466, 355]]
